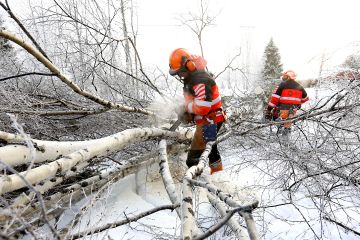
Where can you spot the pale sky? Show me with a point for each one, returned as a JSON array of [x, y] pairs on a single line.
[[303, 30]]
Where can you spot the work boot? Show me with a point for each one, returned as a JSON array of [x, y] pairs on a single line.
[[216, 166], [286, 131]]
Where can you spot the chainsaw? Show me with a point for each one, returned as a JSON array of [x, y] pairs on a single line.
[[175, 125]]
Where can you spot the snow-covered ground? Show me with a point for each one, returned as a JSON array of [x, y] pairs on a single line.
[[244, 181]]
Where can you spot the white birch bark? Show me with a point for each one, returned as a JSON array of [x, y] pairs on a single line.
[[23, 199], [108, 145], [76, 191], [238, 230], [187, 213], [188, 219], [129, 168], [61, 200], [17, 154], [245, 210], [10, 137], [166, 176]]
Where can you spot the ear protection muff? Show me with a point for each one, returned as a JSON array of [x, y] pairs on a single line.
[[188, 64]]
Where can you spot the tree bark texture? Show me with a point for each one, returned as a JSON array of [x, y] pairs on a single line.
[[103, 147]]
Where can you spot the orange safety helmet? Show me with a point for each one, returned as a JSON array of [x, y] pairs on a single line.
[[181, 61], [289, 74]]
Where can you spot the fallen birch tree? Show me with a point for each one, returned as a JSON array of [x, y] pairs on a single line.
[[103, 147]]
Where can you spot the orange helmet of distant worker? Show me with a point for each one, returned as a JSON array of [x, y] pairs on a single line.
[[289, 75], [181, 61]]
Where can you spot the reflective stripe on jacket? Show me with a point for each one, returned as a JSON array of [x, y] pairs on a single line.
[[202, 97], [288, 93]]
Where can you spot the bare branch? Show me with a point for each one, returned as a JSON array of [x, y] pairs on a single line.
[[125, 221], [12, 15], [66, 80]]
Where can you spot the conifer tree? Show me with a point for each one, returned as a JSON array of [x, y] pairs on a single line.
[[8, 61], [270, 75], [4, 43], [352, 62], [272, 65]]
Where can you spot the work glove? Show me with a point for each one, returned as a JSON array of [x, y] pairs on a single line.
[[268, 115], [186, 117], [182, 115], [180, 109]]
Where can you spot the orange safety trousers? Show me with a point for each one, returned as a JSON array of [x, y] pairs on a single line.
[[287, 115], [198, 145]]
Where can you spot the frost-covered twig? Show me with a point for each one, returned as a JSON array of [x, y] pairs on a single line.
[[25, 225], [343, 226], [125, 221], [83, 112], [55, 70], [245, 211], [27, 139], [28, 34], [106, 146], [217, 226], [222, 195], [38, 196], [234, 225]]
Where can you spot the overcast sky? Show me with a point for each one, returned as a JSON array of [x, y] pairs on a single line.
[[303, 30]]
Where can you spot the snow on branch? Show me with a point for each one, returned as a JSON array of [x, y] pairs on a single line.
[[217, 226], [16, 152], [38, 196], [57, 72], [103, 147], [188, 219], [125, 221], [245, 211], [166, 175], [232, 223]]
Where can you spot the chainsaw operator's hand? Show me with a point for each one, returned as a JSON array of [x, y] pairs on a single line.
[[268, 115], [186, 117]]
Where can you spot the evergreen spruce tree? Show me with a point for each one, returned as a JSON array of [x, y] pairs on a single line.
[[272, 65], [4, 43], [352, 62], [8, 61], [270, 75]]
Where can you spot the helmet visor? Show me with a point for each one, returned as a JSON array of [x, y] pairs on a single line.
[[174, 72]]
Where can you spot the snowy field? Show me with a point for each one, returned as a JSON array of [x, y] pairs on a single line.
[[245, 181]]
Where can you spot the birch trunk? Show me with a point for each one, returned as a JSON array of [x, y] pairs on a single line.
[[104, 147], [188, 219], [60, 206], [245, 210], [238, 230], [24, 198], [18, 153], [166, 176], [78, 190], [130, 167]]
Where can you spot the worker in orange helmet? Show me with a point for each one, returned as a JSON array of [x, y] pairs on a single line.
[[202, 105], [287, 98]]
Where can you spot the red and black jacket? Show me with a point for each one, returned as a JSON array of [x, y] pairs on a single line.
[[289, 94], [202, 97]]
